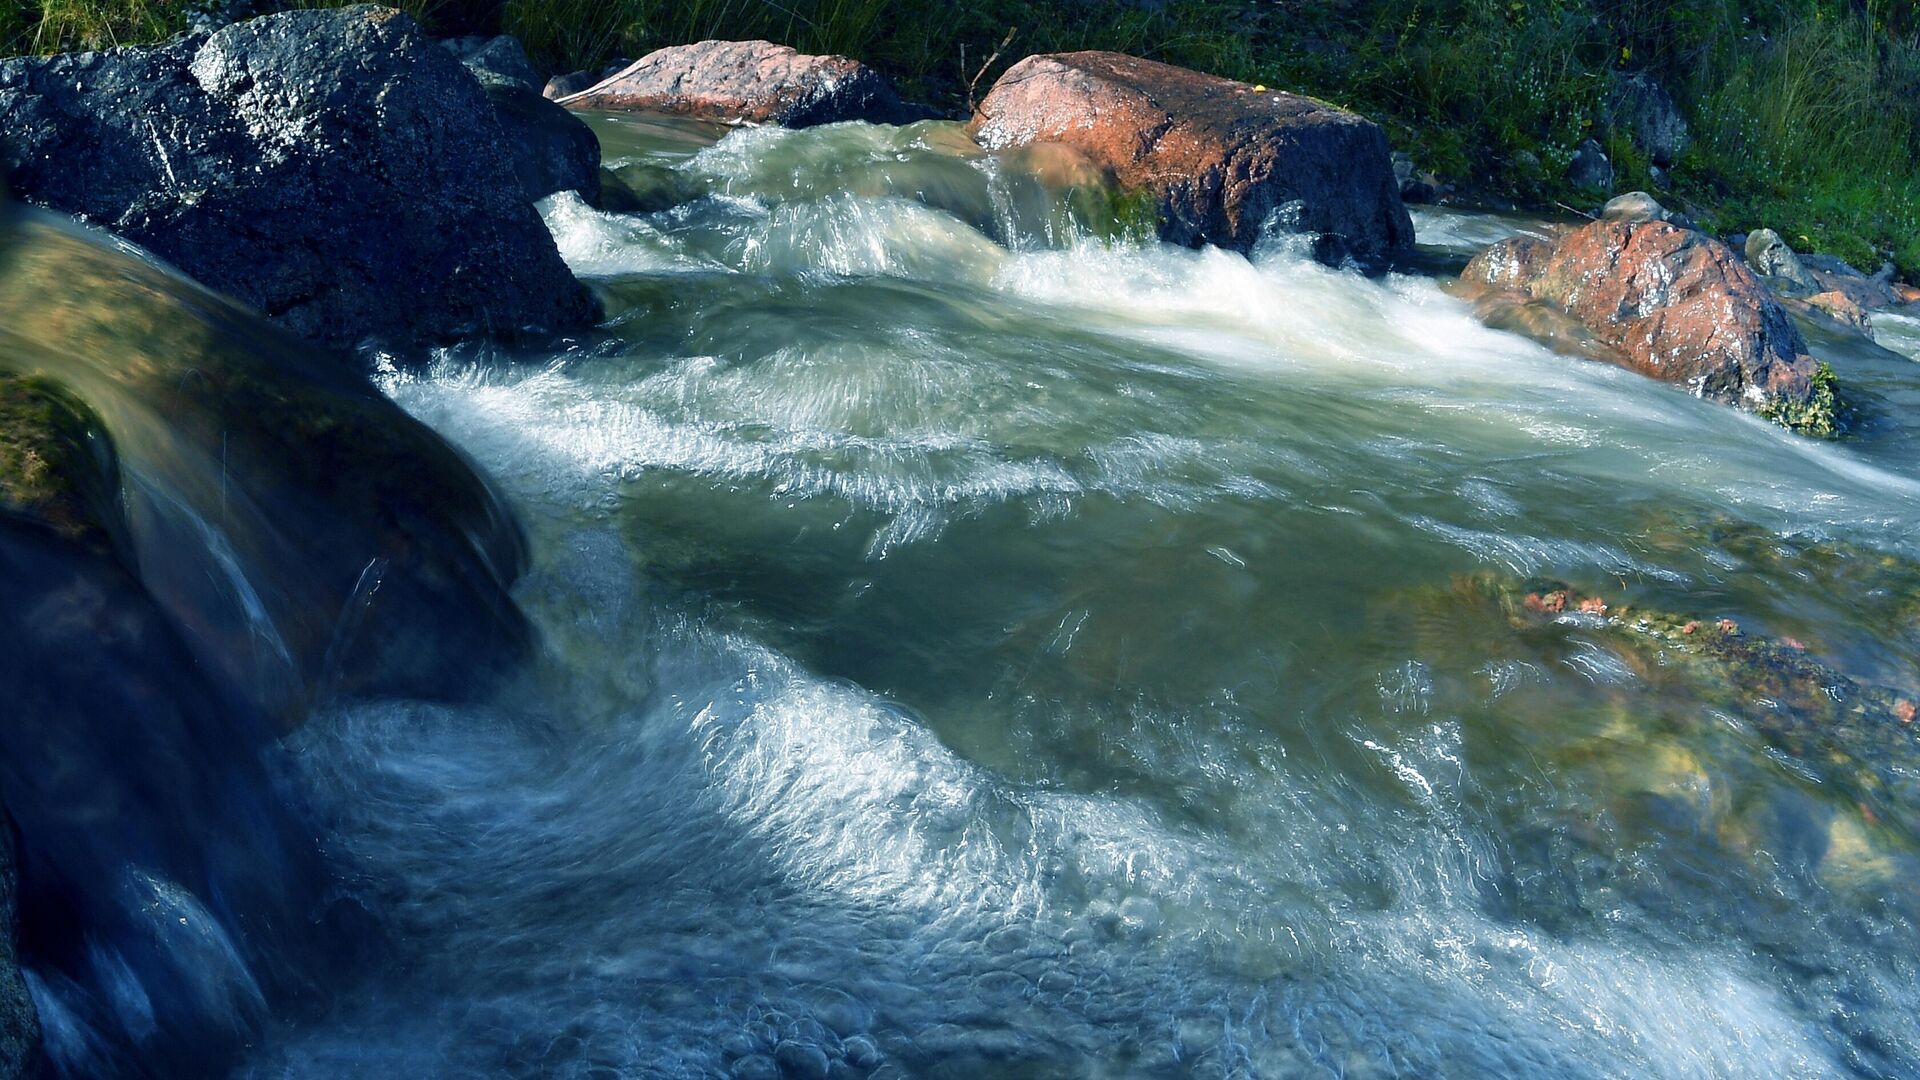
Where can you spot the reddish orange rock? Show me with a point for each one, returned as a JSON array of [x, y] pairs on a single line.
[[1223, 159], [1841, 308], [754, 81], [1665, 301]]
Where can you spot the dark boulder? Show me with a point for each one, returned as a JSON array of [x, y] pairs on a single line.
[[1590, 170], [501, 56], [1224, 160], [755, 81], [1665, 301], [568, 85], [1642, 110], [553, 150], [334, 169]]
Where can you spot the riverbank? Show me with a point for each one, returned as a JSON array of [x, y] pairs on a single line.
[[1804, 116]]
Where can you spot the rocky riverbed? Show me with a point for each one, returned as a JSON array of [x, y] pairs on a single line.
[[713, 571]]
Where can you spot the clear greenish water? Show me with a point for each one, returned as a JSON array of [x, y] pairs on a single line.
[[977, 649]]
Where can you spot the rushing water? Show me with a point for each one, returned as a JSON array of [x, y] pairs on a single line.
[[977, 648]]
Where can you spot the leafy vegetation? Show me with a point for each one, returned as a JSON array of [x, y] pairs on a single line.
[[1806, 113], [1824, 415]]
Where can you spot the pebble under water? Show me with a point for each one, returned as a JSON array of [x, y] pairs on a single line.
[[979, 642]]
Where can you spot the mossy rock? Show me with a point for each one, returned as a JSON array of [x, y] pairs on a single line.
[[57, 465], [379, 556], [1824, 415]]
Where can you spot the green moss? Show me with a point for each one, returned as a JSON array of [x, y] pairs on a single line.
[[1824, 415], [57, 466], [1114, 213]]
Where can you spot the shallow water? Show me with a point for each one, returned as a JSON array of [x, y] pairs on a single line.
[[976, 648]]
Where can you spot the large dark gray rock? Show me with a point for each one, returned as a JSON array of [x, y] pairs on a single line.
[[553, 150], [502, 56], [334, 169], [19, 1033], [1642, 109]]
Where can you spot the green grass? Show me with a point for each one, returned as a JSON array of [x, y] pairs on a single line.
[[1806, 113]]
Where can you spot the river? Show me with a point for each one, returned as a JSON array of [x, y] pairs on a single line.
[[982, 641]]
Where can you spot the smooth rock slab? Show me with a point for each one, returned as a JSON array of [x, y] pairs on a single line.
[[754, 81], [336, 170], [1666, 301], [1223, 159]]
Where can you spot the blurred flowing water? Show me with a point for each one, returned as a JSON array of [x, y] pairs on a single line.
[[980, 641]]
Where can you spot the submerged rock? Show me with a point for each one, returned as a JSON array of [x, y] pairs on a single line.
[[754, 81], [206, 526], [1667, 302], [336, 170], [312, 538], [1223, 159], [57, 466]]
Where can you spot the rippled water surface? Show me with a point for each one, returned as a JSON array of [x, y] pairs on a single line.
[[981, 642]]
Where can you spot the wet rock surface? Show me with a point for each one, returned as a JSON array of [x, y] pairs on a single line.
[[1665, 301], [374, 559], [754, 81], [335, 170], [1223, 159]]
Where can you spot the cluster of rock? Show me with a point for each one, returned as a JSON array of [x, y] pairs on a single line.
[[353, 180]]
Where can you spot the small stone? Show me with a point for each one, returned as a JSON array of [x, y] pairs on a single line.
[[1771, 258], [862, 1052], [755, 1067], [801, 1061], [1590, 170], [1633, 207]]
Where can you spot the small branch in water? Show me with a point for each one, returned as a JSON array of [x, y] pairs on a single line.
[[978, 75], [1571, 210]]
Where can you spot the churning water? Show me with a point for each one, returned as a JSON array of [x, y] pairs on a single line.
[[979, 642]]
